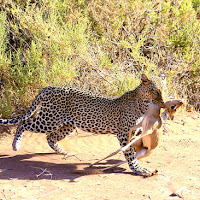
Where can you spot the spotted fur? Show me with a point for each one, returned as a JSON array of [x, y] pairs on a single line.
[[63, 109]]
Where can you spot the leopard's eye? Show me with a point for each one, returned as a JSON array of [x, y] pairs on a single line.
[[172, 107], [146, 101], [156, 92]]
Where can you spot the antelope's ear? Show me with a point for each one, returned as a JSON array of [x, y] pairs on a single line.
[[144, 78], [165, 115]]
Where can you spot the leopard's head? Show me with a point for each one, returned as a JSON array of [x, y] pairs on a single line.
[[148, 91]]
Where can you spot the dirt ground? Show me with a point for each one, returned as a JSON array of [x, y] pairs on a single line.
[[36, 172]]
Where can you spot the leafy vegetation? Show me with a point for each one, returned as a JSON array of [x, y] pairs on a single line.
[[100, 45]]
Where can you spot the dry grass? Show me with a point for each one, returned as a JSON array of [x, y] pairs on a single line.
[[96, 45]]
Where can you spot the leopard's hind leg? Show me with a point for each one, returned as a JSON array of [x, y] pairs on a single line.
[[58, 135], [28, 125], [36, 125], [18, 137]]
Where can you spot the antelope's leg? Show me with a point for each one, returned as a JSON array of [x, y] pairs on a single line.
[[145, 133], [136, 128], [112, 154], [122, 148], [115, 165]]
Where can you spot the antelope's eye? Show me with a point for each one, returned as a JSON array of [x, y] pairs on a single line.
[[172, 107]]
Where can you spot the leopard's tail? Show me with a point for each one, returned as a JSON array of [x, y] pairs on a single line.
[[10, 121], [27, 114]]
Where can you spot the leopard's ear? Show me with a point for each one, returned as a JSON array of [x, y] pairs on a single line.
[[144, 78]]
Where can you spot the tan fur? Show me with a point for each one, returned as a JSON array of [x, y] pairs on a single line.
[[151, 132], [150, 125]]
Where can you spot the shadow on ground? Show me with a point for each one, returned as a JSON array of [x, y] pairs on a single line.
[[22, 167]]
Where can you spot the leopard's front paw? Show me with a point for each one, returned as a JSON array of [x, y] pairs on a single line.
[[155, 172], [141, 171]]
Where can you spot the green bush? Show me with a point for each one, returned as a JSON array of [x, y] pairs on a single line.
[[99, 45]]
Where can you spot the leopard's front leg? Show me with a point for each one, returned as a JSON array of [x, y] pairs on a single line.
[[130, 156], [134, 165]]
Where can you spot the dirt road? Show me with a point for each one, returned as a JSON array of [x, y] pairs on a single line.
[[35, 172]]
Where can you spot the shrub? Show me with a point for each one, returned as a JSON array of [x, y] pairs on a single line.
[[98, 45]]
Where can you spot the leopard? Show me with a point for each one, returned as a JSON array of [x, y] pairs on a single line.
[[62, 109]]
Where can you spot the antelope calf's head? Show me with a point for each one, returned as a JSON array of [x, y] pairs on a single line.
[[170, 108]]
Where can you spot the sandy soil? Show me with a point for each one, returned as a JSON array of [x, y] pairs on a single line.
[[36, 172]]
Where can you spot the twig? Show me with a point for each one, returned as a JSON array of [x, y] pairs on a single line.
[[99, 72], [4, 194], [67, 156], [44, 194], [93, 159], [177, 194], [43, 171], [183, 188]]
